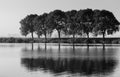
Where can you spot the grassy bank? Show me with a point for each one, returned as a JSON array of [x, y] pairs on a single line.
[[63, 40]]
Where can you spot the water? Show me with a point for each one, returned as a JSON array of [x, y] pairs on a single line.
[[39, 60]]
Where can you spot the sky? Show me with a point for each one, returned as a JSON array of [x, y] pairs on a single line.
[[12, 11]]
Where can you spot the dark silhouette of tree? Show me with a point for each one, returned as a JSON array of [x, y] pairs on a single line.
[[72, 25], [38, 27], [71, 22], [95, 19], [27, 25], [44, 27], [41, 25], [57, 21], [86, 21], [105, 23]]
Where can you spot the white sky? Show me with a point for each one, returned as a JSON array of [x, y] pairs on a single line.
[[12, 11]]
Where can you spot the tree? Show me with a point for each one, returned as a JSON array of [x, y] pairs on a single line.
[[106, 23], [72, 26], [44, 26], [37, 26], [27, 25], [56, 20], [95, 19], [41, 26], [86, 21]]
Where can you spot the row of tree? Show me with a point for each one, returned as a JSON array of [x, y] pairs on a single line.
[[73, 22]]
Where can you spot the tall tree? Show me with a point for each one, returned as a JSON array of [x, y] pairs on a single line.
[[106, 23], [79, 22], [86, 20], [41, 26], [95, 20], [44, 25], [37, 26], [27, 25], [71, 26], [56, 20]]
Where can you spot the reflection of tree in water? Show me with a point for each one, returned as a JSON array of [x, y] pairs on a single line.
[[86, 67], [74, 65]]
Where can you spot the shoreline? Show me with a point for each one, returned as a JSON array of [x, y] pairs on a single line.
[[65, 44], [82, 41]]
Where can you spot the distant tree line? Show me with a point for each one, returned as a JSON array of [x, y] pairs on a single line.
[[73, 22]]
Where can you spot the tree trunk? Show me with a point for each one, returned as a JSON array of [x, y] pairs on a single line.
[[87, 38], [73, 37], [38, 36], [25, 39], [73, 42], [45, 41], [32, 37], [59, 39], [103, 43], [59, 36], [45, 37], [103, 37]]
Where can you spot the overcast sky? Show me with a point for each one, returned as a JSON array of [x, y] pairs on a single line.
[[12, 11]]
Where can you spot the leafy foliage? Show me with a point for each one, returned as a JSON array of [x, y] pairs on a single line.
[[106, 23], [27, 25], [71, 26], [71, 22]]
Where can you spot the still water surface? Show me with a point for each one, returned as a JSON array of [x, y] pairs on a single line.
[[39, 60]]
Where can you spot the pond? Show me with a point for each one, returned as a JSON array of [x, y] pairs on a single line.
[[54, 60]]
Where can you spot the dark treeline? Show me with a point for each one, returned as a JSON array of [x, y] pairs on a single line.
[[71, 23]]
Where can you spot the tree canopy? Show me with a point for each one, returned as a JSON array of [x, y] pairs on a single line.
[[27, 25], [73, 22]]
